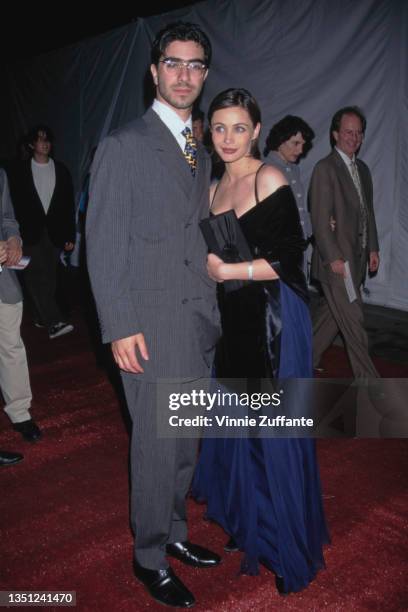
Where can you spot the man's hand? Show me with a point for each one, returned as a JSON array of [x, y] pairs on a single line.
[[124, 353], [68, 246], [14, 251], [374, 261], [337, 266], [3, 251]]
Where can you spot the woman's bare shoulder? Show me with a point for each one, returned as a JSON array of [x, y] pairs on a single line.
[[269, 180]]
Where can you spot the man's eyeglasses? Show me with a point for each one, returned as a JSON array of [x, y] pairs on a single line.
[[174, 64]]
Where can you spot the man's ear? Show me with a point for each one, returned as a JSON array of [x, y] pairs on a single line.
[[335, 135], [153, 70]]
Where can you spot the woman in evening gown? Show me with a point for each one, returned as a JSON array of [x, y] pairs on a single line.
[[264, 492]]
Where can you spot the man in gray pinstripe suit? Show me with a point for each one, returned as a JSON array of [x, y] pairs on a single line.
[[156, 304]]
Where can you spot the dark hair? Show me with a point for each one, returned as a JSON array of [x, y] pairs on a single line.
[[243, 99], [197, 114], [337, 117], [286, 128], [183, 31], [33, 134]]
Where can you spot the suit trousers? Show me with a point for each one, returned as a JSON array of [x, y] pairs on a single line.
[[14, 378], [335, 314], [161, 474], [40, 279]]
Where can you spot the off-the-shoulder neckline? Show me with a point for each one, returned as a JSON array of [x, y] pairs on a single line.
[[271, 195]]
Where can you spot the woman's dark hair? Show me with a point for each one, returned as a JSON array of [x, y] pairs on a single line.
[[243, 99], [183, 31], [33, 134], [286, 128]]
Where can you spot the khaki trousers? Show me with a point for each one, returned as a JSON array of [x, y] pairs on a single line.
[[335, 314], [14, 377]]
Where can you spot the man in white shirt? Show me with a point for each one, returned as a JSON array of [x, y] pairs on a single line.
[[156, 305], [341, 189], [43, 199]]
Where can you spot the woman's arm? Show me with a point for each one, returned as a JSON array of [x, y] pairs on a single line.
[[269, 180], [258, 270]]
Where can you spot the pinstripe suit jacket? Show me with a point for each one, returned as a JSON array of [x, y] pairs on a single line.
[[146, 256]]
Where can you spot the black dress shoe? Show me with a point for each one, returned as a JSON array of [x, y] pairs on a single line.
[[164, 586], [193, 554], [7, 458], [29, 430], [231, 546]]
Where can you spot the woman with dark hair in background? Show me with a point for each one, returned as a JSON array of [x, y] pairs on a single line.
[[264, 492], [288, 141]]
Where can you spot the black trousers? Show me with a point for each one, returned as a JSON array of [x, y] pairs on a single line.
[[40, 278]]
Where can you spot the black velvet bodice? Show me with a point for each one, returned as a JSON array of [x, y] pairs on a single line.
[[273, 231], [251, 318]]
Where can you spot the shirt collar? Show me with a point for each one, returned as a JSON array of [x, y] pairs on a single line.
[[345, 157], [170, 118], [282, 162]]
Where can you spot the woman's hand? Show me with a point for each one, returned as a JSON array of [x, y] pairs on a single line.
[[215, 267]]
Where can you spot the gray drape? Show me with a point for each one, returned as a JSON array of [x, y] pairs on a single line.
[[304, 57]]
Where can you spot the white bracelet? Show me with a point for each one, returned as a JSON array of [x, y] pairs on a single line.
[[251, 271]]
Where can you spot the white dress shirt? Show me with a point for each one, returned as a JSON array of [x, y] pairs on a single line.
[[347, 160], [171, 119]]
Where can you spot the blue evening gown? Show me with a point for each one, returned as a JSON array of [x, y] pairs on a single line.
[[265, 492]]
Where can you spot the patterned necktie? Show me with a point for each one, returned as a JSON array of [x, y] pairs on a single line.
[[190, 150], [363, 209]]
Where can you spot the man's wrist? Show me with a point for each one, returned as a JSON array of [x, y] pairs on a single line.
[[16, 238]]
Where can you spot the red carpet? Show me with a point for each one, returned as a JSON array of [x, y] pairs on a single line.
[[64, 509]]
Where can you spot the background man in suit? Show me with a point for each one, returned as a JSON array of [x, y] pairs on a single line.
[[43, 199], [156, 304], [14, 378], [341, 189]]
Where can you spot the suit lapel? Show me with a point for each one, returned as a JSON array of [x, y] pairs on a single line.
[[169, 153], [346, 179], [57, 183], [362, 181]]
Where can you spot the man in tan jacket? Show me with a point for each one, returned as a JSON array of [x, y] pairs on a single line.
[[341, 190]]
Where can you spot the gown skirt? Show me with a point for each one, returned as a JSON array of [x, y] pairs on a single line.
[[265, 492]]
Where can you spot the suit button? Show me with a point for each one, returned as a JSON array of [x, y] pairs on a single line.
[[187, 262], [184, 301]]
